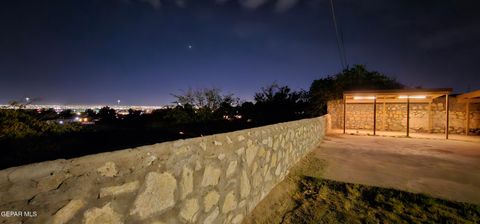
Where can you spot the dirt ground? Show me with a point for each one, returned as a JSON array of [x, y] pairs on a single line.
[[446, 169], [277, 204], [322, 201]]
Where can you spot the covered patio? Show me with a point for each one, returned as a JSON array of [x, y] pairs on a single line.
[[403, 96], [468, 99]]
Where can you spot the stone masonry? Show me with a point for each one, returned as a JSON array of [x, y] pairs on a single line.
[[393, 116], [213, 179]]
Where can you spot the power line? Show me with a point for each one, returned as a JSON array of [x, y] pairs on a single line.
[[339, 36]]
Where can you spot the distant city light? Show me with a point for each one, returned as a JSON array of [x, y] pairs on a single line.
[[27, 99], [364, 97], [80, 108], [412, 97], [122, 112]]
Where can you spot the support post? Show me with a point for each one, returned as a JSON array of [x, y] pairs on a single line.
[[374, 115], [344, 112], [384, 115], [446, 115], [408, 116], [467, 117], [430, 120]]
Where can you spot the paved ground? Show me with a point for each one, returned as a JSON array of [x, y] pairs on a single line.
[[447, 169], [469, 138]]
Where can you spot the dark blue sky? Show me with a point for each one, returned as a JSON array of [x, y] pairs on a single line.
[[98, 51]]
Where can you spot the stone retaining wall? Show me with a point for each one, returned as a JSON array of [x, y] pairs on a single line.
[[212, 179], [394, 116]]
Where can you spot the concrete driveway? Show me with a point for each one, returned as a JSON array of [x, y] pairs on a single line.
[[446, 169]]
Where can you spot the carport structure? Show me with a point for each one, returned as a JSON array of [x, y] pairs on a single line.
[[406, 96], [468, 98]]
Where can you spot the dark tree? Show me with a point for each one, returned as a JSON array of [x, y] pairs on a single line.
[[226, 110], [180, 115], [66, 114], [90, 113], [207, 104], [134, 114], [107, 114], [48, 114], [17, 124], [247, 110], [279, 103], [355, 78]]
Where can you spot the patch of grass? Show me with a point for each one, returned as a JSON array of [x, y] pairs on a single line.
[[325, 201]]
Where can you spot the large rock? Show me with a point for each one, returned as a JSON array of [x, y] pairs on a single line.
[[262, 152], [229, 140], [189, 211], [274, 160], [198, 166], [244, 185], [242, 204], [240, 138], [52, 182], [278, 170], [251, 152], [106, 214], [122, 189], [257, 179], [212, 216], [149, 160], [203, 145], [35, 171], [232, 166], [254, 167], [109, 169], [68, 211], [210, 200], [157, 196], [238, 219], [230, 203], [211, 175], [186, 184], [265, 169]]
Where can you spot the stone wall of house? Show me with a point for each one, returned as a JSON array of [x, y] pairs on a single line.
[[393, 116], [212, 179]]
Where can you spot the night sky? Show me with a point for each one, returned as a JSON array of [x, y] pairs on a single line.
[[140, 51]]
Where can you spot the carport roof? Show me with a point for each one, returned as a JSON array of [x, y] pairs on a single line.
[[393, 96], [473, 97]]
